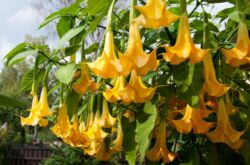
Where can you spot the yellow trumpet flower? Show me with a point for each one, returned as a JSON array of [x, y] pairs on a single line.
[[85, 82], [143, 63], [192, 120], [212, 86], [106, 120], [108, 65], [102, 151], [62, 127], [76, 138], [117, 143], [39, 111], [184, 47], [224, 133], [141, 92], [154, 14], [119, 92], [160, 149], [240, 54]]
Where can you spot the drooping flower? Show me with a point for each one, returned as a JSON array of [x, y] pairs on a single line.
[[240, 54], [224, 133], [85, 82], [76, 138], [106, 120], [192, 120], [119, 92], [62, 127], [38, 111], [160, 150], [117, 143], [184, 47], [108, 65], [154, 14], [143, 63], [212, 86], [141, 92]]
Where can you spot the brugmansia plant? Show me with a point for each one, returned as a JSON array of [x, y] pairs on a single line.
[[163, 85]]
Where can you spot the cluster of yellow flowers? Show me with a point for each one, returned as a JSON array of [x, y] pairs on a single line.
[[134, 63]]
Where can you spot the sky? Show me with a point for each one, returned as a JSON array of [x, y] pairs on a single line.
[[17, 18]]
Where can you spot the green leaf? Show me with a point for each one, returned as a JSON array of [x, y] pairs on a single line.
[[96, 6], [69, 51], [189, 78], [144, 126], [70, 34], [129, 144], [50, 18], [65, 73], [245, 151], [22, 47], [64, 25], [7, 101], [72, 102], [27, 80], [92, 48], [21, 56], [234, 16]]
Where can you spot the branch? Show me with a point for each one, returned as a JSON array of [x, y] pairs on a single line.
[[196, 6], [171, 39], [50, 59]]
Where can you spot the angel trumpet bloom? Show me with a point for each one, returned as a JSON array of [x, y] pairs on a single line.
[[154, 14], [119, 92], [117, 143], [141, 92], [62, 127], [240, 54], [212, 86], [184, 47], [160, 149], [224, 133], [38, 111], [85, 82], [106, 120], [231, 109], [192, 120], [143, 63], [108, 65], [76, 138]]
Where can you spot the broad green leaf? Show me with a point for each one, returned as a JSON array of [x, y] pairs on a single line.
[[245, 151], [69, 51], [234, 16], [7, 101], [70, 34], [96, 6], [22, 47], [27, 80], [65, 73], [144, 125], [50, 18], [21, 56], [72, 102], [92, 48], [129, 144], [64, 25]]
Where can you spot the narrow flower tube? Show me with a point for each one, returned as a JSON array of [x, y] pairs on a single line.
[[240, 54], [117, 143], [108, 65], [212, 86], [231, 109], [184, 47], [160, 150], [154, 14], [192, 120], [224, 133], [143, 63], [106, 120], [142, 93]]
